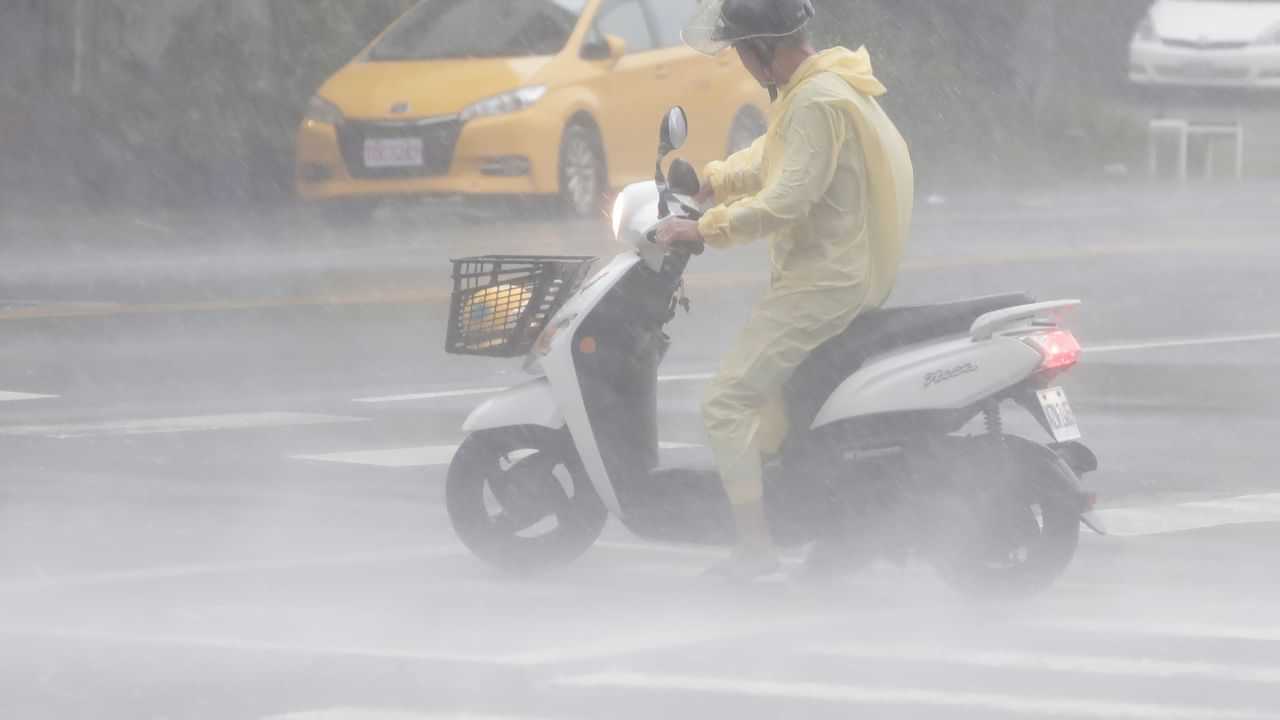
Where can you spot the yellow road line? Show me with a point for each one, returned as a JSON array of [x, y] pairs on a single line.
[[438, 295], [87, 310]]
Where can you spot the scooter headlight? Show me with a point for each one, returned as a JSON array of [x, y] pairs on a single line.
[[616, 216]]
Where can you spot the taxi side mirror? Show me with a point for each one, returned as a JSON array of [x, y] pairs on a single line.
[[611, 48]]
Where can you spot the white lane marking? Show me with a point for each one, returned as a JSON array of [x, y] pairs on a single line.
[[357, 713], [239, 645], [470, 392], [1082, 664], [415, 457], [467, 392], [1196, 631], [356, 559], [153, 226], [7, 396], [1162, 519], [196, 423], [373, 557], [666, 636], [429, 456], [859, 695], [605, 646], [703, 377], [691, 551], [1182, 342]]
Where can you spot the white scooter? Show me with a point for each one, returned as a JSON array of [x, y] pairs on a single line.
[[875, 456]]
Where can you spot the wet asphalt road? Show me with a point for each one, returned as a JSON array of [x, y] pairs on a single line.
[[205, 516]]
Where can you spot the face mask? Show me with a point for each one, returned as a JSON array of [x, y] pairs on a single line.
[[764, 55]]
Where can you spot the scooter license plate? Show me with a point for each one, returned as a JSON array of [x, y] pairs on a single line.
[[1057, 411]]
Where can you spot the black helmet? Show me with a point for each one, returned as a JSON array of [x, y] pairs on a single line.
[[721, 23]]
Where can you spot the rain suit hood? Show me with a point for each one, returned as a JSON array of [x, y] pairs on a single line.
[[837, 229], [853, 66]]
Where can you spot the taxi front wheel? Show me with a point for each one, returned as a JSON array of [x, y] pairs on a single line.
[[582, 171]]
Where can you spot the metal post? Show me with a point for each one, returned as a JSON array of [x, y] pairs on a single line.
[[1152, 153], [1184, 149], [1182, 131], [1240, 151], [78, 44]]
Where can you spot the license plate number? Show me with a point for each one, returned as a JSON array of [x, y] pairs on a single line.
[[393, 152], [1062, 422]]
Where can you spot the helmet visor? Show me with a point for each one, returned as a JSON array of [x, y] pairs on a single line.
[[706, 31], [709, 33]]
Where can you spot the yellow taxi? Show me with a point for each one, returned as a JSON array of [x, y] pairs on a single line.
[[548, 97]]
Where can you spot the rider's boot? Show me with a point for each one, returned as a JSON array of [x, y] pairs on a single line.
[[754, 556], [831, 559]]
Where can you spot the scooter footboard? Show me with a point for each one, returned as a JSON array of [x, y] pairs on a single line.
[[528, 404], [682, 506]]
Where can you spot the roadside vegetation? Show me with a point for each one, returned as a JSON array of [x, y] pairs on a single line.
[[195, 101]]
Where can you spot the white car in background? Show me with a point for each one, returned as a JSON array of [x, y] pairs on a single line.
[[1208, 43]]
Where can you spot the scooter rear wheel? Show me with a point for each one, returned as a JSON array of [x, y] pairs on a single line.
[[520, 499], [1039, 522]]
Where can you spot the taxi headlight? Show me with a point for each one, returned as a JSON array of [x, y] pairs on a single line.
[[510, 102], [323, 112]]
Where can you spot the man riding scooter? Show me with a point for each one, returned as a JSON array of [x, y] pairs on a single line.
[[830, 186]]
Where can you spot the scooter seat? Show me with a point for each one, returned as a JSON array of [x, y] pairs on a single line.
[[876, 332]]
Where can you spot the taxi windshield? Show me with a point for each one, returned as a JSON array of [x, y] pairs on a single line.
[[441, 29]]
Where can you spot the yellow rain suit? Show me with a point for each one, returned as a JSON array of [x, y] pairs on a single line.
[[831, 187]]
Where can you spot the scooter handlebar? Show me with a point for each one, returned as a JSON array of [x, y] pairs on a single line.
[[692, 248], [687, 212]]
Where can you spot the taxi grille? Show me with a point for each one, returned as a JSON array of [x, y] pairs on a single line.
[[1206, 44], [439, 136]]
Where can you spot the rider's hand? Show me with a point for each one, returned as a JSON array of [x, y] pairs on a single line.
[[678, 231], [706, 196]]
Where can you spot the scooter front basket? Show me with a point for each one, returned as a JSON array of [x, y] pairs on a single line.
[[501, 303]]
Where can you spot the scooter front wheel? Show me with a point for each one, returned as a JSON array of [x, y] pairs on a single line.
[[520, 499]]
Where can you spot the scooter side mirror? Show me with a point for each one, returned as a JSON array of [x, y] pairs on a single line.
[[675, 130]]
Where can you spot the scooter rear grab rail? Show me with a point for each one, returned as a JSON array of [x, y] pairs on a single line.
[[987, 325]]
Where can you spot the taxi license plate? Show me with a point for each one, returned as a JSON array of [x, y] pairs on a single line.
[[1199, 69], [1062, 422], [393, 152]]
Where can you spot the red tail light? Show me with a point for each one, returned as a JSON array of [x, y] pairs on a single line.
[[1059, 349]]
